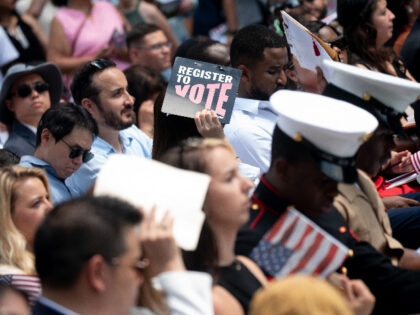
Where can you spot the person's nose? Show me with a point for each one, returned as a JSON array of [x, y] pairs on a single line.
[[282, 78], [247, 184]]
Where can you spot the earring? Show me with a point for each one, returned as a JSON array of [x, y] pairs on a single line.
[[409, 10]]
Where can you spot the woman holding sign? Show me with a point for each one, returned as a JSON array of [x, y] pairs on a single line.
[[236, 278]]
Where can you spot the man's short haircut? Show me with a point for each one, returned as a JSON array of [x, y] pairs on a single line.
[[75, 231], [285, 147], [139, 31], [61, 119], [249, 43], [8, 158], [82, 85]]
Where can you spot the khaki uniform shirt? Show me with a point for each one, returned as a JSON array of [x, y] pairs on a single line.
[[364, 212]]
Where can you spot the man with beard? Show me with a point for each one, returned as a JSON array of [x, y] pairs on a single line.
[[261, 54], [101, 88]]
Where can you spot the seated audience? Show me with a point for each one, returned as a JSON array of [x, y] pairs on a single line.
[[82, 31], [140, 11], [226, 207], [24, 33], [262, 55], [145, 85], [27, 92], [148, 46], [64, 138], [366, 36], [90, 260], [101, 88], [24, 201]]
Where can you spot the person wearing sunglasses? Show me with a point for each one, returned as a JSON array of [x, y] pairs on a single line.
[[63, 142], [27, 92]]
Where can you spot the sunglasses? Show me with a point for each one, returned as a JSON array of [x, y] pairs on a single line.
[[25, 90], [74, 153]]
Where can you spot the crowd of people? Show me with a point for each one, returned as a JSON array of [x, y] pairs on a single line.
[[320, 146]]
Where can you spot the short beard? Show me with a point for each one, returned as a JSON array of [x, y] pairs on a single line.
[[114, 121], [257, 94]]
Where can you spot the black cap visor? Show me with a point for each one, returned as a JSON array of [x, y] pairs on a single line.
[[386, 115]]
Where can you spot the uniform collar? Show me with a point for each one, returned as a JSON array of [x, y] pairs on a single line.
[[266, 196]]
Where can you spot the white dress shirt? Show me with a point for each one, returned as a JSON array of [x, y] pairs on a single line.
[[250, 131]]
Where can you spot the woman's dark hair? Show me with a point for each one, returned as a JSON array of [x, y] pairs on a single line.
[[143, 84], [169, 130], [191, 155], [360, 34]]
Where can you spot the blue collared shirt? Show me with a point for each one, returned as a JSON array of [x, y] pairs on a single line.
[[47, 306], [59, 191], [133, 141], [250, 131]]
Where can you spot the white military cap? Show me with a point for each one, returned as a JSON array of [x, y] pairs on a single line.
[[385, 96], [330, 130]]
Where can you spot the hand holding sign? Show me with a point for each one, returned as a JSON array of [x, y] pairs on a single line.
[[197, 85]]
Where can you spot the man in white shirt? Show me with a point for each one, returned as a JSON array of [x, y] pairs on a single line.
[[261, 54]]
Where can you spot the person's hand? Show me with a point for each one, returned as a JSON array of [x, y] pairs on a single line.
[[158, 244], [208, 125], [393, 202], [321, 83], [105, 52], [358, 295], [399, 162]]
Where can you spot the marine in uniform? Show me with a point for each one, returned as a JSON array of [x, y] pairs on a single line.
[[314, 145]]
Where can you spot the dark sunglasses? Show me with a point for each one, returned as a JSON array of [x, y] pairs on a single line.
[[25, 90], [74, 153]]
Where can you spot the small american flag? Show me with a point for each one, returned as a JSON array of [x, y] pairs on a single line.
[[295, 244], [28, 284]]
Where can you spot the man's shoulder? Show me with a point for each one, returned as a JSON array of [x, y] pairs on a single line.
[[45, 306], [139, 142]]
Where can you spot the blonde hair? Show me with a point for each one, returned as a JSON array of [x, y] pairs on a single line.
[[13, 249], [299, 295]]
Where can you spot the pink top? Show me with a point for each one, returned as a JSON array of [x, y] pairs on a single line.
[[95, 33]]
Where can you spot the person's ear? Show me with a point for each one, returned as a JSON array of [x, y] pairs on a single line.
[[96, 273], [133, 53], [46, 136], [246, 74], [283, 169], [89, 105], [291, 74], [10, 105]]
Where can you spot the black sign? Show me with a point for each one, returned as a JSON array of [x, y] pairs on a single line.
[[196, 85]]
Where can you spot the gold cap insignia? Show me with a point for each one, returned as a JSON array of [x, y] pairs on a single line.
[[366, 97]]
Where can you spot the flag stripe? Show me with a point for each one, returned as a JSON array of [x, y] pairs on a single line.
[[309, 253], [324, 263]]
